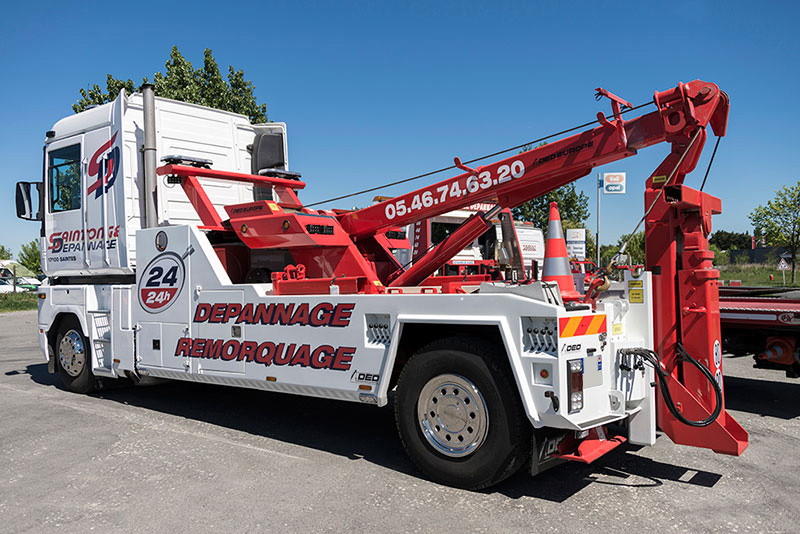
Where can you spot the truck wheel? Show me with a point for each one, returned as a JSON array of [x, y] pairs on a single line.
[[459, 414], [73, 357]]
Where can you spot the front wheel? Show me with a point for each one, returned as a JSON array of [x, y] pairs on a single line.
[[73, 357], [459, 414]]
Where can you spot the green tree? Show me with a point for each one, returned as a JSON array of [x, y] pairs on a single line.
[[721, 257], [204, 86], [5, 253], [730, 240], [635, 249], [779, 220], [606, 253], [573, 206], [30, 256]]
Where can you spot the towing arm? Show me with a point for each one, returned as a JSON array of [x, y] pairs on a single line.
[[677, 222], [520, 178]]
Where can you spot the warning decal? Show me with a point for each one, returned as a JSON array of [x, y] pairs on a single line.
[[583, 325]]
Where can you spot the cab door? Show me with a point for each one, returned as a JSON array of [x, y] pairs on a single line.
[[64, 200]]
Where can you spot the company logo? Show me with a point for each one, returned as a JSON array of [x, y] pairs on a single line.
[[72, 240], [104, 165], [614, 183], [364, 377], [161, 282]]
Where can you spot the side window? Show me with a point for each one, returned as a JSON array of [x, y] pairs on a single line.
[[65, 178]]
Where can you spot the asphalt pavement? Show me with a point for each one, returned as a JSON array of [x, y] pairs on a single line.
[[179, 457]]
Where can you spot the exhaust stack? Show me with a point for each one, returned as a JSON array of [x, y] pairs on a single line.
[[149, 154]]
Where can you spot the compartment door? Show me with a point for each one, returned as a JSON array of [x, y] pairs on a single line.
[[221, 340]]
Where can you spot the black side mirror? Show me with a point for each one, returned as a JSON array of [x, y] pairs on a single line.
[[25, 208]]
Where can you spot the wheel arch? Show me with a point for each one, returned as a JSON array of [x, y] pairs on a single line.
[[412, 333], [52, 332]]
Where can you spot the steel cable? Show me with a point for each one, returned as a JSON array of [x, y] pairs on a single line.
[[493, 154]]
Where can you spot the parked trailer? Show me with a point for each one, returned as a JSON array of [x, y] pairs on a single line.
[[765, 322], [209, 268]]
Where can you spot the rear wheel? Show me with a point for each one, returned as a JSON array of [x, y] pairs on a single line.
[[73, 357], [459, 414]]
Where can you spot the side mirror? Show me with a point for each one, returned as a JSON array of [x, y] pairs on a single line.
[[24, 203]]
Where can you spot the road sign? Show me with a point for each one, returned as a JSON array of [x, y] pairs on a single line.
[[783, 265], [576, 243], [614, 183]]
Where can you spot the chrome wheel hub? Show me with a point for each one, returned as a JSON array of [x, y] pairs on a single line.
[[72, 353], [452, 415]]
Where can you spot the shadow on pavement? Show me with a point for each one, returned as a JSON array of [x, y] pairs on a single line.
[[38, 373], [358, 431], [621, 467], [762, 397]]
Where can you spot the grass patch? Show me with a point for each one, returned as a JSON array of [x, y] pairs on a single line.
[[755, 275], [19, 301]]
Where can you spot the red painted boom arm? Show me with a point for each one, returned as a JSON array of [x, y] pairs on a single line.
[[520, 178]]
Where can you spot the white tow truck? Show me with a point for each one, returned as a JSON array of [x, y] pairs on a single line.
[[208, 268]]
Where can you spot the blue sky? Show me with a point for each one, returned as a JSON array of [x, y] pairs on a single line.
[[374, 91]]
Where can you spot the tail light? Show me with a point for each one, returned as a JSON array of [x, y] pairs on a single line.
[[575, 380]]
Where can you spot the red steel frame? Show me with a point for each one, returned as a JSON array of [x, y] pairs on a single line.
[[686, 299]]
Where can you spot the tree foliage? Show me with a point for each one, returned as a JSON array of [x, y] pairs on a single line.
[[730, 240], [635, 250], [779, 220], [181, 81], [721, 256], [5, 253], [30, 256], [573, 206]]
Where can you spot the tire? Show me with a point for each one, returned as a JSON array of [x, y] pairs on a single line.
[[73, 357], [459, 414]]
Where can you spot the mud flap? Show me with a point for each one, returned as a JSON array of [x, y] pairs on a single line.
[[544, 447]]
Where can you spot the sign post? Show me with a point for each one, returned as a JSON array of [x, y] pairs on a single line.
[[611, 183], [783, 267]]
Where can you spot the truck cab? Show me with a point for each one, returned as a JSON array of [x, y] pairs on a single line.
[[91, 197]]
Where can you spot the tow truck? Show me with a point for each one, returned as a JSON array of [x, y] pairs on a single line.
[[209, 268]]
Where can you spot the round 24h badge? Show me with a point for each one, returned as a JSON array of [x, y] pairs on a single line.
[[161, 282]]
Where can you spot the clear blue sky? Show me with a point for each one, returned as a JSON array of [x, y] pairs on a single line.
[[373, 91]]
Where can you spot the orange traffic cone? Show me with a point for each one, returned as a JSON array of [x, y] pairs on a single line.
[[556, 264], [779, 350]]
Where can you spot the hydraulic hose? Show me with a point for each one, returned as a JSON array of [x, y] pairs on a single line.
[[654, 361]]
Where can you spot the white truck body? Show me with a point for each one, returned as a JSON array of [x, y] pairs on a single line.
[[182, 318]]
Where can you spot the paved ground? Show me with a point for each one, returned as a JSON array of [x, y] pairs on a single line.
[[189, 458]]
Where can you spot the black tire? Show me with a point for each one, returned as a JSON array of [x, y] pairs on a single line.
[[72, 352], [474, 462]]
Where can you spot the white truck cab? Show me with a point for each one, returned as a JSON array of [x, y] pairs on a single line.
[[93, 189]]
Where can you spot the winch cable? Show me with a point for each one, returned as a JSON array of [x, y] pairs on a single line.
[[493, 154], [714, 153], [654, 361]]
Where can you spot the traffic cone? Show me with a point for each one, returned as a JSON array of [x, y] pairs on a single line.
[[779, 350], [556, 264]]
